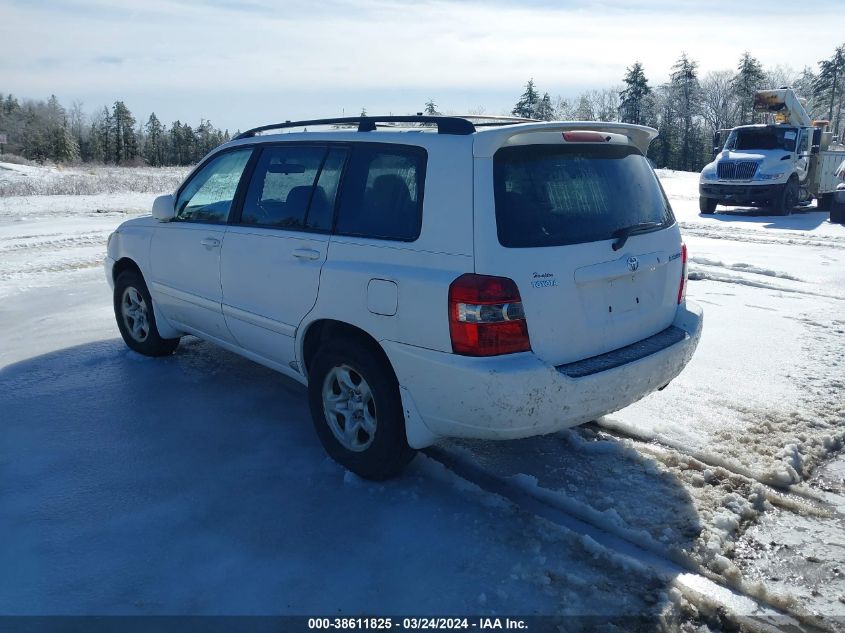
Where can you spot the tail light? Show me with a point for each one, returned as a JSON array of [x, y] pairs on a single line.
[[486, 316], [682, 290]]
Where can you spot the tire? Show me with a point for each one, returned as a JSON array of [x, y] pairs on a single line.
[[135, 317], [375, 447], [823, 203], [706, 205], [837, 214], [784, 204]]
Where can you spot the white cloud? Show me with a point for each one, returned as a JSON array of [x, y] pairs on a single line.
[[194, 50]]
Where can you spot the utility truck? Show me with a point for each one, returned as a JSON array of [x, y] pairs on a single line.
[[778, 165]]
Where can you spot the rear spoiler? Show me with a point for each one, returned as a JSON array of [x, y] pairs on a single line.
[[488, 141]]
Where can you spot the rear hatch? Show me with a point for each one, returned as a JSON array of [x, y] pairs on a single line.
[[548, 216]]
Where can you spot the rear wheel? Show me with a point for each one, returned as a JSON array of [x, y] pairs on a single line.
[[823, 203], [837, 214], [133, 309], [357, 409], [706, 205], [788, 198]]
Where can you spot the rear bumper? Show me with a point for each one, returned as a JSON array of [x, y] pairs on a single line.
[[518, 395], [740, 193]]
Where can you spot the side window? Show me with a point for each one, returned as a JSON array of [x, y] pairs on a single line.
[[208, 195], [282, 186], [803, 145], [382, 193]]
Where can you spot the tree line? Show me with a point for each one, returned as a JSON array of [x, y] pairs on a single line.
[[46, 130], [687, 109]]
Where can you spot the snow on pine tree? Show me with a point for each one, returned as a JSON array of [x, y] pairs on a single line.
[[635, 98], [526, 107], [749, 79]]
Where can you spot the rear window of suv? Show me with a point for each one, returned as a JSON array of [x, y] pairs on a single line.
[[554, 195]]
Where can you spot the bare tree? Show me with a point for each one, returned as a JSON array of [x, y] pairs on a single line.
[[780, 76], [718, 103]]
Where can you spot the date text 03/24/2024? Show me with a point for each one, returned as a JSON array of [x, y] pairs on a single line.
[[418, 623]]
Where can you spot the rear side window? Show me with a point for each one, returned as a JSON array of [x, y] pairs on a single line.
[[382, 193], [553, 195], [282, 186], [208, 195]]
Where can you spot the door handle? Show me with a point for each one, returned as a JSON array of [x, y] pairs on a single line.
[[306, 253], [210, 242]]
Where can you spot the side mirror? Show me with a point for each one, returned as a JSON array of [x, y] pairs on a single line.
[[164, 208]]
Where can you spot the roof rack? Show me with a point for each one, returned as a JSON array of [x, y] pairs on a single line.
[[494, 120], [445, 124]]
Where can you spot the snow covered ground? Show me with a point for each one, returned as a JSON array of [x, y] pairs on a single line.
[[195, 484]]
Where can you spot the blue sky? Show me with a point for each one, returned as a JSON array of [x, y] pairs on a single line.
[[246, 63]]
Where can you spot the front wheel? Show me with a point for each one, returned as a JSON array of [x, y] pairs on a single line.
[[133, 309], [788, 198], [706, 205], [357, 410]]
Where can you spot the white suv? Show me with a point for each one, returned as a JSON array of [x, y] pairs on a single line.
[[425, 277]]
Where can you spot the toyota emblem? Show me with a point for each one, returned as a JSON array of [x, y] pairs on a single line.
[[633, 263]]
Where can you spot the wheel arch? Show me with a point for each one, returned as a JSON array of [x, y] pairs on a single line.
[[318, 331], [165, 327], [123, 264], [321, 330]]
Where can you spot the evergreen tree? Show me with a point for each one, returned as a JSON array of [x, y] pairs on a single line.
[[686, 95], [584, 110], [829, 86], [35, 141], [431, 108], [102, 138], [527, 105], [545, 111], [123, 131], [748, 80], [154, 145], [63, 146], [635, 96]]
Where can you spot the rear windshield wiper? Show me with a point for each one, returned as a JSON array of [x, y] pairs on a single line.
[[624, 233]]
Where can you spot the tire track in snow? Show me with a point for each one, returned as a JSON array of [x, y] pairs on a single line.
[[734, 234], [38, 244], [742, 267], [618, 431], [707, 275], [698, 585]]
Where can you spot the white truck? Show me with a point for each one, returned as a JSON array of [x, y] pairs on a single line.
[[778, 165]]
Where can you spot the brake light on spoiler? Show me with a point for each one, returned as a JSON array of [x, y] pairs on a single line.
[[585, 137]]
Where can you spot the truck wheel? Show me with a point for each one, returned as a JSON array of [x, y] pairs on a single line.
[[133, 309], [706, 205], [357, 409], [823, 203], [837, 214], [788, 198]]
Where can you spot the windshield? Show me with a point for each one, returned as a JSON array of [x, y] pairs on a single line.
[[552, 195], [763, 138]]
